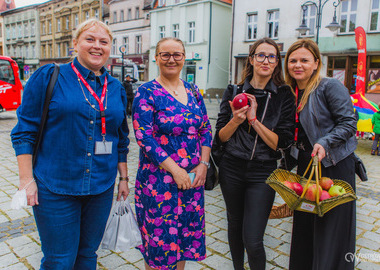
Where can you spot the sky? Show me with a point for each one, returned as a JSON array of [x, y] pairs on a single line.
[[22, 3]]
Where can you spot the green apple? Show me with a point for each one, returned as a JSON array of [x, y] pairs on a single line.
[[336, 190]]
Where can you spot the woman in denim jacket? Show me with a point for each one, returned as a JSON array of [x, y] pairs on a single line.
[[326, 128], [71, 185]]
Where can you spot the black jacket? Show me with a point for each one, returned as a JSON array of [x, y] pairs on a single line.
[[128, 87], [328, 118], [279, 117]]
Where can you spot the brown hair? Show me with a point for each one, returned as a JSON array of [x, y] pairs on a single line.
[[277, 77], [315, 78], [166, 39]]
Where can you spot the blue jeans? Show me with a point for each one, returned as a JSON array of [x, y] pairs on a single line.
[[71, 228]]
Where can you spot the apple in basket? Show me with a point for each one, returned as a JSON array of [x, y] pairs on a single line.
[[298, 188], [288, 184], [336, 191], [325, 195], [240, 101], [326, 183], [311, 192]]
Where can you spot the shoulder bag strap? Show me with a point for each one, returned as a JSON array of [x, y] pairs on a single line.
[[49, 94]]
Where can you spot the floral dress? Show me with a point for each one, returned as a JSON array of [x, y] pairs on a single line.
[[171, 220]]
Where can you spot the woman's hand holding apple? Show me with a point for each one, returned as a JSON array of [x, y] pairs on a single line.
[[251, 113], [239, 115]]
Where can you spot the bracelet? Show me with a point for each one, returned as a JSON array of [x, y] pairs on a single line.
[[252, 122], [205, 163], [124, 178], [27, 185]]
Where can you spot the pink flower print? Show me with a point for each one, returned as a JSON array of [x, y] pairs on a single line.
[[196, 244], [178, 118], [139, 134], [194, 203], [197, 196], [173, 246], [174, 156], [177, 131], [152, 243], [167, 195], [165, 209], [189, 208], [136, 124], [148, 148], [184, 163], [183, 144], [152, 179], [172, 259], [192, 250], [149, 186], [146, 191], [198, 234], [173, 230], [192, 130], [188, 254], [194, 160], [182, 153], [164, 140], [158, 232], [178, 210], [160, 198], [167, 179], [155, 239], [166, 247], [158, 221]]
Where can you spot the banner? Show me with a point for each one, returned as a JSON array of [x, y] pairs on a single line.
[[360, 38]]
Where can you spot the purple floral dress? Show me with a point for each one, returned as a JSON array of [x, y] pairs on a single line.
[[172, 221]]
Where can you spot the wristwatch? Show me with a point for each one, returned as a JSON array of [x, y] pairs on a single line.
[[205, 163]]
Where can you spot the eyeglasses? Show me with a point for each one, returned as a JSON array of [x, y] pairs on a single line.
[[261, 58], [165, 56]]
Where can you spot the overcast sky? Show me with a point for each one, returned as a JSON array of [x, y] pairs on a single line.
[[22, 3]]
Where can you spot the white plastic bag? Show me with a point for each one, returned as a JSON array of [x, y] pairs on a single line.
[[122, 231], [19, 200]]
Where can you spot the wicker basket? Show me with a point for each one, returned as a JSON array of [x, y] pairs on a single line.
[[280, 211], [299, 203]]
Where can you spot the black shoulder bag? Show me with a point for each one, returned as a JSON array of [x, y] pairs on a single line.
[[217, 151], [49, 94]]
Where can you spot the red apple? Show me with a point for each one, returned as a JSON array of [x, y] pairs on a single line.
[[288, 184], [336, 191], [326, 183], [325, 195], [298, 188], [240, 101], [311, 192]]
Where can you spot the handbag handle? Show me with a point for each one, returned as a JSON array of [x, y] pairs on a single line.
[[49, 94]]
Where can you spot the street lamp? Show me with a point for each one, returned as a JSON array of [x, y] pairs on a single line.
[[333, 26]]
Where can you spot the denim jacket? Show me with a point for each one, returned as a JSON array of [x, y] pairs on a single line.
[[66, 162], [328, 119]]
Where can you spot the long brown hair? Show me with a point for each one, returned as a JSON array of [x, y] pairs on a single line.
[[315, 78], [277, 77]]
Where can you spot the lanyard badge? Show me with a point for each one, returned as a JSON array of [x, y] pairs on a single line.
[[101, 147]]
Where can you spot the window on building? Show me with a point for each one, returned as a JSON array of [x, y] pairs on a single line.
[[8, 33], [191, 32], [43, 30], [14, 31], [348, 16], [49, 28], [26, 53], [176, 30], [67, 49], [32, 29], [161, 3], [76, 20], [58, 50], [114, 46], [273, 19], [26, 30], [310, 17], [126, 44], [375, 18], [137, 13], [251, 26], [96, 13], [19, 30], [121, 15], [176, 1], [161, 31], [115, 17], [59, 25], [43, 51], [51, 51], [138, 45], [129, 14], [33, 51], [67, 25], [87, 15]]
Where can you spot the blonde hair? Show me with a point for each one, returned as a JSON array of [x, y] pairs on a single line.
[[315, 78], [166, 39], [90, 23]]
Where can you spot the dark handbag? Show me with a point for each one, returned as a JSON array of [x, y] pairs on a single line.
[[360, 169], [49, 94], [287, 162]]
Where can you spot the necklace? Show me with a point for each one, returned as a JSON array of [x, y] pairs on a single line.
[[92, 105], [175, 92]]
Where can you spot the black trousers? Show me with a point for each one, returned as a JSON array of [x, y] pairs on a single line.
[[325, 243], [129, 105], [249, 201]]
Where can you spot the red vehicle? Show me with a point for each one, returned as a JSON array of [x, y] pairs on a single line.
[[10, 84]]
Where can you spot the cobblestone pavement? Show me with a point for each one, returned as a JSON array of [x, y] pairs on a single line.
[[20, 245]]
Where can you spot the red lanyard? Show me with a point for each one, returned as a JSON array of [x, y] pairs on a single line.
[[297, 117], [100, 101]]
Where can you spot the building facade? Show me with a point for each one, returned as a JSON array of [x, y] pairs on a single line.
[[21, 38], [130, 24], [58, 22], [280, 19], [205, 29]]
